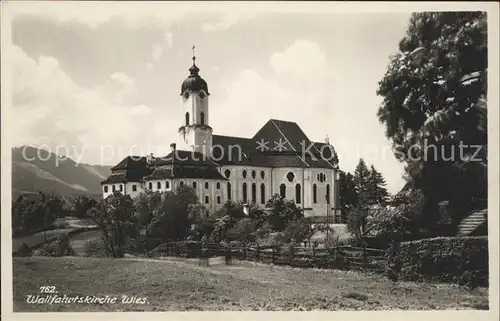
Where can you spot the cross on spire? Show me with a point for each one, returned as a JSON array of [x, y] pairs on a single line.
[[194, 57]]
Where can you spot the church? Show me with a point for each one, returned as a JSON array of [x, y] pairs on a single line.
[[278, 159]]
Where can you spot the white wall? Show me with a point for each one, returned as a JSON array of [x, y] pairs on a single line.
[[280, 177], [110, 190], [153, 185], [319, 208], [129, 189], [236, 179], [197, 138]]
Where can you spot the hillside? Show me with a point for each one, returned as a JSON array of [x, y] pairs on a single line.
[[39, 170]]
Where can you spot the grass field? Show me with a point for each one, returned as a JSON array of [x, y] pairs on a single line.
[[181, 284]]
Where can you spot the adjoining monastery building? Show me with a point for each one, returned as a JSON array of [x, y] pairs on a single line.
[[278, 159]]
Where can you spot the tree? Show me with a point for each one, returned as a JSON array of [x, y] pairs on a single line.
[[361, 182], [147, 205], [35, 212], [114, 216], [356, 217], [434, 108], [376, 186], [242, 231], [281, 212], [347, 193], [356, 220], [176, 215], [82, 205]]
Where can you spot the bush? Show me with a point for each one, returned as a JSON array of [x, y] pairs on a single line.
[[24, 250], [58, 248], [181, 248], [95, 248], [462, 260]]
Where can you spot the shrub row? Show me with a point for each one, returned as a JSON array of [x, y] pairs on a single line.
[[461, 260], [61, 247]]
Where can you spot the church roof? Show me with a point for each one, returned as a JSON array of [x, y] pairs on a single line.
[[230, 150], [185, 172], [291, 152], [131, 163], [287, 131], [184, 157], [126, 176], [194, 82]]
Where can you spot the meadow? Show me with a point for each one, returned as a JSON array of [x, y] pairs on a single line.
[[179, 284]]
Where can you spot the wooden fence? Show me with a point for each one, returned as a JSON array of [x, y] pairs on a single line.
[[340, 257]]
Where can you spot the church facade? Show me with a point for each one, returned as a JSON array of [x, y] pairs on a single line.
[[278, 159]]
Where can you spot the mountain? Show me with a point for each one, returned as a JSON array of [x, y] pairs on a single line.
[[36, 170]]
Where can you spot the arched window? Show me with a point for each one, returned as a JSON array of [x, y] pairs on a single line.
[[187, 119], [150, 185], [217, 185], [228, 191], [283, 190], [167, 184], [202, 118], [244, 192], [327, 193], [244, 174], [315, 194], [262, 193], [254, 193], [121, 188], [297, 194], [206, 185], [158, 185], [227, 172], [253, 174], [290, 176], [114, 187], [194, 185], [181, 183], [206, 199], [105, 189], [262, 174]]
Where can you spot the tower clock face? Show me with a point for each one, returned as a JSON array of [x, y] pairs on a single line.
[[202, 94], [186, 95]]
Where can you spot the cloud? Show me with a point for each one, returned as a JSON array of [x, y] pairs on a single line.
[[157, 52], [297, 84], [227, 21], [140, 110], [159, 49], [169, 37], [50, 108], [94, 14], [303, 58]]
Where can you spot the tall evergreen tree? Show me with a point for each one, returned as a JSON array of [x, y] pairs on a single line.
[[377, 188], [348, 196], [361, 182]]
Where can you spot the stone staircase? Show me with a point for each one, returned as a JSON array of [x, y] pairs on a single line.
[[472, 222]]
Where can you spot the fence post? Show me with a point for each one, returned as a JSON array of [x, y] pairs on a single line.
[[257, 255], [272, 254], [365, 259], [244, 252]]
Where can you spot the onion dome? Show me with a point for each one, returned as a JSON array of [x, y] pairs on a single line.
[[194, 82]]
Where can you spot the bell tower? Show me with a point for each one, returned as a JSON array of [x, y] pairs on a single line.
[[196, 133]]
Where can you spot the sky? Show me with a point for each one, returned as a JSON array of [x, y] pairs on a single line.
[[103, 82]]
